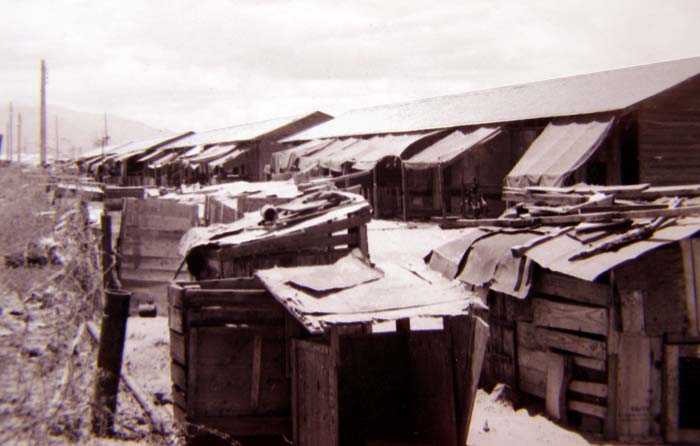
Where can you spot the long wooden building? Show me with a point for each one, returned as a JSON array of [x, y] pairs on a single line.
[[638, 124]]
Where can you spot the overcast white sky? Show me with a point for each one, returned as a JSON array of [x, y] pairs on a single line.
[[200, 64]]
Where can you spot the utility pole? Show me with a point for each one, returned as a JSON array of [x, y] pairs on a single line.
[[42, 116], [57, 150], [10, 128], [19, 137]]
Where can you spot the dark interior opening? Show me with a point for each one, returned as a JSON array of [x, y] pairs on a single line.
[[689, 393]]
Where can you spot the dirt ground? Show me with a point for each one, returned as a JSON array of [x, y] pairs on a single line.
[[46, 371]]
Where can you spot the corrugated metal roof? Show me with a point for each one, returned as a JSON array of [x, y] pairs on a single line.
[[450, 147], [237, 133], [561, 148], [313, 159], [212, 153], [585, 94], [124, 151], [231, 156]]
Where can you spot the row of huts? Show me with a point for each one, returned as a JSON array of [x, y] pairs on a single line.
[[451, 155], [591, 290]]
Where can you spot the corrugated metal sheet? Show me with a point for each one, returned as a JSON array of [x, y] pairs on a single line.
[[451, 147], [134, 148], [244, 132], [555, 253], [162, 161], [562, 147], [396, 293], [585, 94]]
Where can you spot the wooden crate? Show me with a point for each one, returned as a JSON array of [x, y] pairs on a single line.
[[228, 368]]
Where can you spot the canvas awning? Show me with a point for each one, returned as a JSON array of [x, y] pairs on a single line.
[[311, 160], [283, 160], [212, 153], [562, 147], [231, 156], [163, 160], [373, 150], [450, 147]]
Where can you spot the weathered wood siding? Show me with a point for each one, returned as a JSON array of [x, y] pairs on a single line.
[[669, 136]]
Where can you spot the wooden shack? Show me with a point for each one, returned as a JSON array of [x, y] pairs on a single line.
[[593, 305], [271, 356], [316, 228]]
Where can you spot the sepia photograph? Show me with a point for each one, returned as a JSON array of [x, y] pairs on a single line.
[[350, 223]]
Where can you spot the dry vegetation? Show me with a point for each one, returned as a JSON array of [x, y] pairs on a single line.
[[46, 357]]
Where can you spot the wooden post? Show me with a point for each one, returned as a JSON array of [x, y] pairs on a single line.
[[109, 361], [375, 192], [107, 266], [404, 193], [441, 191]]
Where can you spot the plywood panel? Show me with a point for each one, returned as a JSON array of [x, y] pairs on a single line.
[[634, 414]]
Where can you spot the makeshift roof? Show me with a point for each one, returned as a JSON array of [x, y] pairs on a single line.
[[297, 216], [246, 132], [352, 291], [562, 147], [583, 241], [451, 147], [577, 95]]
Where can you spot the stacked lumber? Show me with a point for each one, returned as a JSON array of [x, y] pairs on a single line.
[[552, 206]]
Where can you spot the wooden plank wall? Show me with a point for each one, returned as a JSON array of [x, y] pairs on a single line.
[[561, 355], [228, 356], [150, 234], [669, 136]]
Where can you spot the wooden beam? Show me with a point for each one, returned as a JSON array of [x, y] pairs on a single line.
[[589, 388], [558, 374], [610, 422], [583, 291], [589, 363], [570, 316], [375, 192], [256, 373], [593, 410], [690, 286], [572, 219], [404, 193], [671, 391], [572, 343]]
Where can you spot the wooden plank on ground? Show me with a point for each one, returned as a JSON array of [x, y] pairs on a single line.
[[582, 291], [570, 316]]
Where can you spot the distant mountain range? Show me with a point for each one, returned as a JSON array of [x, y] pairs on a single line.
[[77, 131]]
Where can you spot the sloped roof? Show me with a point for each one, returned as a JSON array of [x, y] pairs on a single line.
[[243, 132], [576, 95], [131, 148]]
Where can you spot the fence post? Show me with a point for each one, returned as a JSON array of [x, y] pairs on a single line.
[[109, 360]]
